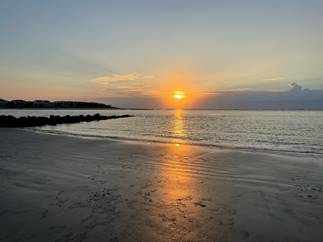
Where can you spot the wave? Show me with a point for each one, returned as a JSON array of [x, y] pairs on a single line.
[[183, 141]]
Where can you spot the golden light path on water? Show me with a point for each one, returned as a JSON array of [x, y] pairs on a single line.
[[180, 182], [178, 123], [177, 186]]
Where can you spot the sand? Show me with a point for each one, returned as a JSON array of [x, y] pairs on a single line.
[[59, 188]]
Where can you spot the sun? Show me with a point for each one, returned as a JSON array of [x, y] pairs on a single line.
[[178, 95]]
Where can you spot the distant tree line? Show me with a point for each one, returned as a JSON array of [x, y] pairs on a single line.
[[53, 104]]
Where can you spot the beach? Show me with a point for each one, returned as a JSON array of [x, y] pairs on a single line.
[[63, 188]]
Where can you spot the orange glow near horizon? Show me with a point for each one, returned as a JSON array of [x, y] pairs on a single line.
[[178, 89]]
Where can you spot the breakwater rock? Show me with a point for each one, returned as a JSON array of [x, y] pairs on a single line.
[[9, 121]]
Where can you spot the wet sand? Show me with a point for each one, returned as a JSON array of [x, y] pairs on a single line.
[[58, 188]]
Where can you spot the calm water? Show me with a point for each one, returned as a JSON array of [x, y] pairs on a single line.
[[279, 131]]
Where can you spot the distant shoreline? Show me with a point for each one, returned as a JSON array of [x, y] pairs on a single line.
[[157, 109], [34, 108], [46, 104]]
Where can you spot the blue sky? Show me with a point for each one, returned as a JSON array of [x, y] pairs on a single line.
[[90, 50]]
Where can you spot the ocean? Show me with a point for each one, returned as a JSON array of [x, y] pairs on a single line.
[[293, 132]]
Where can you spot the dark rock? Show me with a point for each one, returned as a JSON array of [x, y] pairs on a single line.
[[9, 121]]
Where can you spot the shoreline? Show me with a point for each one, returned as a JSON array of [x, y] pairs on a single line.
[[318, 156], [63, 188]]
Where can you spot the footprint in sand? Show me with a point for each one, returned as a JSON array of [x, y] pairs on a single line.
[[44, 213]]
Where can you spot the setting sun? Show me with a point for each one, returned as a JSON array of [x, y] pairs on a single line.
[[179, 95]]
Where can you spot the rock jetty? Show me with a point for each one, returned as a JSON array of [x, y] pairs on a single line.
[[9, 121]]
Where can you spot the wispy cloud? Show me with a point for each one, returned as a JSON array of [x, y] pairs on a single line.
[[105, 80], [124, 84], [279, 78]]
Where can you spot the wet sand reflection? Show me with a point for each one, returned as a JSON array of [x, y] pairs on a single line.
[[181, 203]]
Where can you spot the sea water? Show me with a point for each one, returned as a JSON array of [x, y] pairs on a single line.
[[298, 132]]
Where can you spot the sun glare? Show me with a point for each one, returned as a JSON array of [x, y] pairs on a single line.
[[179, 95]]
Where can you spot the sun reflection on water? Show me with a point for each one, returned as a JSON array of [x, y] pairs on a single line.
[[178, 123], [177, 166]]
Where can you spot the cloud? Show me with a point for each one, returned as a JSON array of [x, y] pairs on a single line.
[[279, 78], [294, 98], [135, 101], [295, 87], [104, 80], [124, 84], [136, 91]]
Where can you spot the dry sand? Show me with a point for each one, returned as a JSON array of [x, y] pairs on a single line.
[[58, 188]]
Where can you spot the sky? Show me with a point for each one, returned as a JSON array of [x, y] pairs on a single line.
[[136, 53]]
